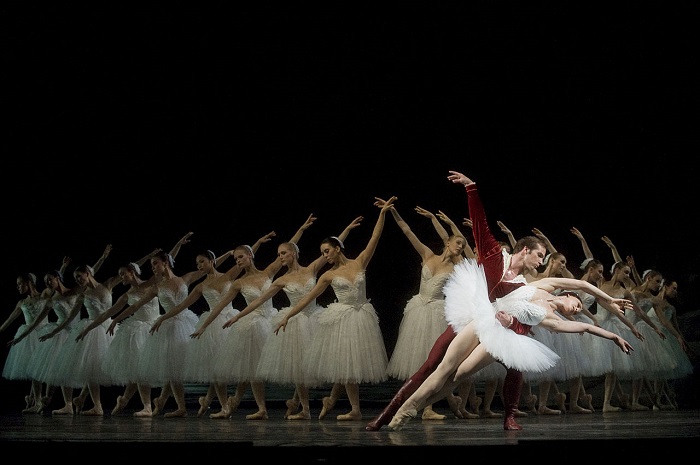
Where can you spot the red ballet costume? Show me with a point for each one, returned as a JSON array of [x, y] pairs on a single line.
[[492, 258]]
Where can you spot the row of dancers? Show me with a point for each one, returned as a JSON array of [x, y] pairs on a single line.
[[131, 342]]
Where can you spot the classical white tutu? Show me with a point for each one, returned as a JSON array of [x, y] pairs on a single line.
[[203, 352], [82, 360], [241, 349], [242, 345], [122, 359], [422, 323], [621, 363], [466, 299], [164, 352], [18, 361], [282, 357], [683, 365], [46, 364], [656, 352], [347, 346]]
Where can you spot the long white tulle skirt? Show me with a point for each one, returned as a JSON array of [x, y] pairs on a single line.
[[347, 346]]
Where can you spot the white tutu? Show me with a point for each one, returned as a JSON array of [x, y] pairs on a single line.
[[466, 300]]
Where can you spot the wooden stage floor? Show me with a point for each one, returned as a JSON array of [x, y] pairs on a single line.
[[624, 435]]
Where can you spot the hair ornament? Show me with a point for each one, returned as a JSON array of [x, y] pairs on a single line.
[[585, 263], [250, 250], [135, 268], [342, 246]]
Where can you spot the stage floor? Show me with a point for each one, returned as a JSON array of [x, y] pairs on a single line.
[[633, 435]]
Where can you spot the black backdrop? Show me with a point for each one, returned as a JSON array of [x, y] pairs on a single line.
[[133, 127]]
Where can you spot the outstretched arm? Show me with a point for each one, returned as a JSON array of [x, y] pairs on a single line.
[[12, 317], [468, 251], [110, 283], [74, 311], [274, 288], [439, 228], [366, 255], [550, 247], [635, 274], [131, 309], [552, 250], [110, 312], [218, 308], [321, 285], [584, 245], [555, 324], [507, 232], [183, 240], [353, 224], [98, 264], [613, 249], [321, 261], [64, 265], [423, 250], [43, 314], [191, 298]]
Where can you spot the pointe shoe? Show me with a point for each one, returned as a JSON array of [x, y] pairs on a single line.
[[121, 405], [303, 415], [78, 404], [609, 408], [491, 414], [147, 412], [232, 403], [467, 415], [223, 413], [531, 401], [672, 400], [259, 415], [159, 404], [560, 399], [31, 409], [66, 410], [43, 403], [473, 413], [625, 401], [637, 407], [204, 402], [578, 409], [292, 406], [520, 413], [93, 412], [430, 414], [350, 416], [328, 405], [401, 418], [385, 416], [476, 405], [181, 412], [29, 401], [455, 403], [588, 402], [548, 411], [36, 408]]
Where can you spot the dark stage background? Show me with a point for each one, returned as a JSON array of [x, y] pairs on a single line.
[[134, 127]]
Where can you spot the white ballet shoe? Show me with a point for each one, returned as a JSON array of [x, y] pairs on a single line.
[[401, 418]]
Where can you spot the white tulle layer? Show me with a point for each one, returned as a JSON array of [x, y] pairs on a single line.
[[466, 300]]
